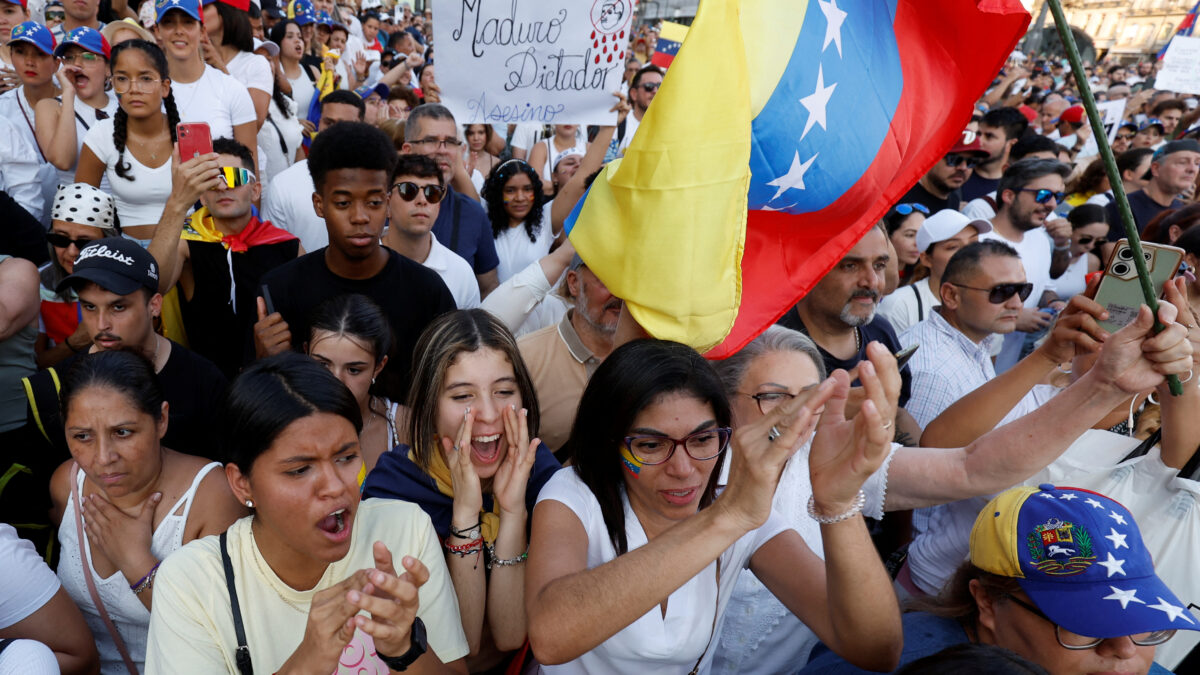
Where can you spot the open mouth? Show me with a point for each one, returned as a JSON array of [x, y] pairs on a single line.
[[679, 497], [334, 525], [485, 449]]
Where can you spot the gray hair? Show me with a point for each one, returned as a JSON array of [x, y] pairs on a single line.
[[775, 339], [431, 111], [1024, 172]]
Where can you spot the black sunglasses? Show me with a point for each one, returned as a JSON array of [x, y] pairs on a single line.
[[954, 159], [650, 86], [1000, 293], [1085, 240], [408, 191], [63, 241], [1043, 195]]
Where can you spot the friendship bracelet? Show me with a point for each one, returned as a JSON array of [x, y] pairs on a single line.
[[493, 561], [464, 550], [472, 532], [146, 581], [855, 509]]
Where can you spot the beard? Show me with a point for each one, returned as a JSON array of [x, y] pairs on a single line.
[[853, 320]]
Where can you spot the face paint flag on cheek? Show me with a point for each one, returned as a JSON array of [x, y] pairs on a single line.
[[632, 464]]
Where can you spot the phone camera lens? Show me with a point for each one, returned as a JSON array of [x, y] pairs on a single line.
[[1120, 269], [1125, 254]]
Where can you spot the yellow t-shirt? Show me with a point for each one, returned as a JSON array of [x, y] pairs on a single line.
[[191, 625]]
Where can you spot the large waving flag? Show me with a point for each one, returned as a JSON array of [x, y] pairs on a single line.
[[733, 200], [1186, 28]]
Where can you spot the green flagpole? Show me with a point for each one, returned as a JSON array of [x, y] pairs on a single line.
[[1110, 167]]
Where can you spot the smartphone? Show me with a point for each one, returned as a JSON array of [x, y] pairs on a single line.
[[1120, 292], [266, 296], [195, 139], [904, 355]]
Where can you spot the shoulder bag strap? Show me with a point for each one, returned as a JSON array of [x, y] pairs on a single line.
[[242, 655], [716, 614], [282, 143], [87, 574], [920, 303]]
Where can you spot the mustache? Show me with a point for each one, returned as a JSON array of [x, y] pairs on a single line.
[[615, 303], [874, 295]]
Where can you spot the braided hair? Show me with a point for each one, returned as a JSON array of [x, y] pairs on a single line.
[[493, 196], [120, 120]]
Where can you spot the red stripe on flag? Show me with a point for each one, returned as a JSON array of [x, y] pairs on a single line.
[[939, 45]]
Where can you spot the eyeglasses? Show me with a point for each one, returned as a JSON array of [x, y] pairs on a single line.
[[408, 191], [439, 143], [123, 84], [650, 86], [1125, 137], [1043, 195], [906, 209], [1000, 293], [63, 241], [770, 400], [954, 159], [236, 176], [702, 445], [85, 57], [1071, 640]]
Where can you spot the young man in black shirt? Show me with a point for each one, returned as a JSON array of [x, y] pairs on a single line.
[[350, 164], [940, 187], [220, 253]]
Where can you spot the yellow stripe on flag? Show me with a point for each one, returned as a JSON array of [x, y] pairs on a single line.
[[675, 32], [664, 227]]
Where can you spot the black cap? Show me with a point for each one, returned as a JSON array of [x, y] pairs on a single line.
[[116, 264], [1185, 145]]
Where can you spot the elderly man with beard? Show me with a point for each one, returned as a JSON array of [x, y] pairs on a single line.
[[561, 358], [1028, 193]]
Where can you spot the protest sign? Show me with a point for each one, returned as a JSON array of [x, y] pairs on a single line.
[[1110, 113], [1181, 66], [534, 61]]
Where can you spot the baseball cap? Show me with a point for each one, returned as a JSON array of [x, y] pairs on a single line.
[[968, 143], [116, 264], [1153, 122], [35, 34], [302, 12], [945, 224], [1128, 125], [381, 89], [1080, 557], [87, 38], [243, 5], [1184, 145], [22, 3], [1029, 113], [323, 19], [192, 8], [271, 47], [1074, 115]]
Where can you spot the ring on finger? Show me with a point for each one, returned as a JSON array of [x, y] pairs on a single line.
[[456, 448], [887, 425], [773, 433]]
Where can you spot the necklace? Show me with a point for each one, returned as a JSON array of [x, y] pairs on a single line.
[[142, 145], [857, 341], [257, 555]]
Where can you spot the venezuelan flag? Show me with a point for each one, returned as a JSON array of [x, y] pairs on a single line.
[[670, 38], [732, 201]]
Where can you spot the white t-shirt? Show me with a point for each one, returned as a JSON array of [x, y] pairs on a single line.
[[456, 272], [252, 70], [27, 583], [191, 627], [288, 205], [302, 92], [1036, 249], [15, 107], [525, 136], [85, 117], [216, 98], [516, 251], [141, 196], [278, 138], [653, 643], [902, 309]]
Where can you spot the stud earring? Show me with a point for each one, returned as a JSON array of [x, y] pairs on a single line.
[[249, 503]]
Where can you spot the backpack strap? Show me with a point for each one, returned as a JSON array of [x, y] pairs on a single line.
[[920, 303], [242, 655], [41, 389]]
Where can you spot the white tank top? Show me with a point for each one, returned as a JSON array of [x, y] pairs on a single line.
[[128, 614]]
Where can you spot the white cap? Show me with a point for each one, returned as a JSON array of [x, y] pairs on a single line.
[[945, 224], [271, 47]]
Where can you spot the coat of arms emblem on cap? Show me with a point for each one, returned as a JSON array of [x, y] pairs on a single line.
[[1060, 548]]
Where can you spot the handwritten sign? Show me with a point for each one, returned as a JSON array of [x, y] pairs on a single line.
[[1181, 66], [1111, 113], [535, 61]]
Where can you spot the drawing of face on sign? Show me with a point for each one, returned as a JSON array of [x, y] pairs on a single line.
[[610, 16]]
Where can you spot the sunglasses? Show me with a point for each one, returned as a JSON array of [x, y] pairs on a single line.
[[1000, 293], [236, 176], [954, 159], [1043, 195], [408, 191], [56, 16], [1085, 240], [907, 209], [650, 86], [63, 241], [1125, 137]]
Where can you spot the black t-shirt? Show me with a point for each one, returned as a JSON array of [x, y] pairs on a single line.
[[213, 328], [879, 330], [410, 294], [920, 195], [463, 227], [1143, 208], [977, 186], [193, 388]]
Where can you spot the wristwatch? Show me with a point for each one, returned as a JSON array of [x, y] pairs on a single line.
[[419, 645]]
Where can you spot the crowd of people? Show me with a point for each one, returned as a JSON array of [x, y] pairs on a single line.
[[339, 395]]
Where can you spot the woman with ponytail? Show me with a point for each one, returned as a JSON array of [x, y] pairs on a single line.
[[132, 149]]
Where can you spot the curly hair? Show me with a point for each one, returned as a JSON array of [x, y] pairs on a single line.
[[120, 120], [493, 197]]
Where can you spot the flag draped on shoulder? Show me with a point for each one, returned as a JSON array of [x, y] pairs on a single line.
[[782, 132]]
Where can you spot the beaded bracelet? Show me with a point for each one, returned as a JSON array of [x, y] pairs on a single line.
[[855, 509], [472, 532], [146, 581], [464, 550], [493, 561]]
